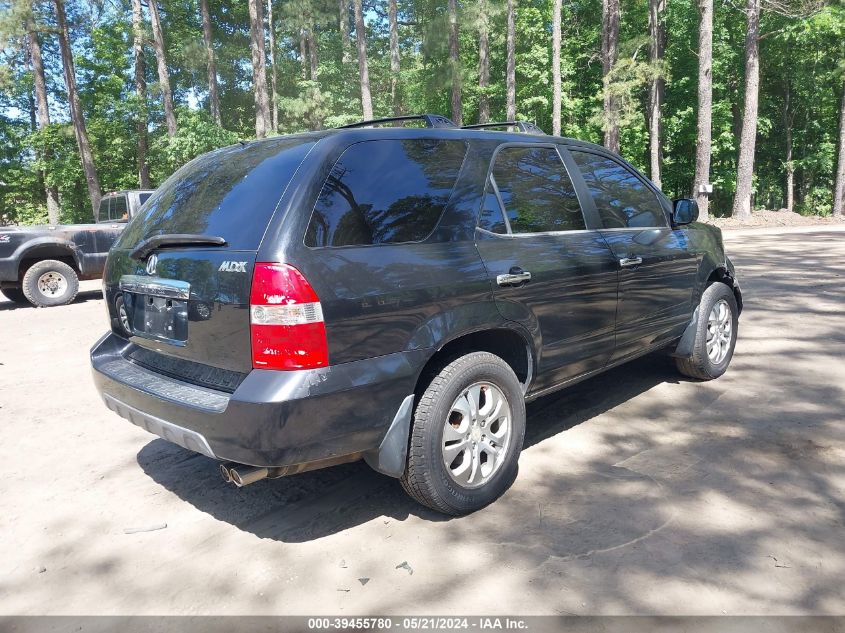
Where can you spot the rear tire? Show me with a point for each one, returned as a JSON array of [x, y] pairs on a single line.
[[479, 398], [50, 283], [715, 336], [15, 295]]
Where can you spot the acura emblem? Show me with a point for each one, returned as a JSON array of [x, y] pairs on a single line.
[[152, 262]]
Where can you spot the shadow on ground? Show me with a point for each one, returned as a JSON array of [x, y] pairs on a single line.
[[637, 481], [81, 297], [320, 503]]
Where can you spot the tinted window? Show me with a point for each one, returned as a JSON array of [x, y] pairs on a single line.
[[621, 198], [143, 197], [387, 191], [492, 218], [117, 209], [230, 193], [536, 190], [103, 209]]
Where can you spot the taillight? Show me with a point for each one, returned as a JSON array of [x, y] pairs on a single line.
[[286, 320]]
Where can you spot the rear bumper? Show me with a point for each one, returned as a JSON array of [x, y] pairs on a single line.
[[274, 418]]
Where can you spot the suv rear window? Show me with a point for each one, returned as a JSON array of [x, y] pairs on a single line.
[[385, 191], [230, 193]]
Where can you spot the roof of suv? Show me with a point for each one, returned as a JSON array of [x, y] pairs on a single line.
[[381, 131]]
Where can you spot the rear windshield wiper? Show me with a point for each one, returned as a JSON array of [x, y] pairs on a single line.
[[174, 239]]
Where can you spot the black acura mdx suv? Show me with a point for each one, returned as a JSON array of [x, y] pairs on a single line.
[[396, 295]]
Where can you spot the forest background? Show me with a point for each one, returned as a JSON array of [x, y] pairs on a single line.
[[102, 95]]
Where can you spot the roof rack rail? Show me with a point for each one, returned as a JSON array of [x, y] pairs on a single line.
[[526, 127], [431, 120]]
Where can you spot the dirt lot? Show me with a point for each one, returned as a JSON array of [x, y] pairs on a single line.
[[638, 492], [782, 218]]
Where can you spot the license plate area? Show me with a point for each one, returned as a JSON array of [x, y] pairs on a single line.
[[157, 308]]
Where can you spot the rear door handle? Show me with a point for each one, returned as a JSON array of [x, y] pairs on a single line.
[[629, 262], [514, 278]]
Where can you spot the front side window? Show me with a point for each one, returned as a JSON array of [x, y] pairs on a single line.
[[535, 190], [621, 198], [385, 192]]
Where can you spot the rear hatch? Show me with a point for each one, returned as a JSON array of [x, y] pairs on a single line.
[[182, 269]]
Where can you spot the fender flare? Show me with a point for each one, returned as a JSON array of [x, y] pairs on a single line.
[[24, 249]]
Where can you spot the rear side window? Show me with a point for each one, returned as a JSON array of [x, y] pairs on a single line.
[[143, 197], [385, 191], [230, 193], [103, 210], [535, 190], [117, 209], [621, 198]]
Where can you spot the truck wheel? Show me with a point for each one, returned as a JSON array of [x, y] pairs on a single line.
[[50, 283], [715, 338], [14, 294], [466, 436]]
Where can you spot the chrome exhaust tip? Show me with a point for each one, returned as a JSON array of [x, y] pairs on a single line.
[[226, 471], [244, 475]]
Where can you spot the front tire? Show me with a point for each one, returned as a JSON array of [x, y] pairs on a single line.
[[50, 283], [715, 336], [467, 435], [15, 295]]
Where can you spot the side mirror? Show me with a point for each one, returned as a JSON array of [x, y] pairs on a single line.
[[685, 211]]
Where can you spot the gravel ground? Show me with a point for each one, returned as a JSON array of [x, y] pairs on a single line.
[[639, 492], [763, 218]]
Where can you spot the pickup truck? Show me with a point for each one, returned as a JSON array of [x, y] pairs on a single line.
[[43, 265]]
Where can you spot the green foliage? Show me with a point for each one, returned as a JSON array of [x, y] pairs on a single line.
[[197, 135]]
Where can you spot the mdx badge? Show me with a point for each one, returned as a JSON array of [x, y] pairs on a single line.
[[232, 267], [152, 262]]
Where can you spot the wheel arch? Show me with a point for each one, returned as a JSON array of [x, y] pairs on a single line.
[[722, 274], [40, 250], [506, 341]]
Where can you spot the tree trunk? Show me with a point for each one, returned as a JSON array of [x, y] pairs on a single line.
[[556, 96], [363, 71], [312, 51], [51, 191], [705, 107], [511, 62], [839, 188], [483, 61], [163, 76], [76, 115], [141, 92], [213, 99], [455, 62], [789, 197], [609, 54], [30, 97], [343, 9], [303, 54], [657, 36], [274, 75], [745, 164], [263, 121], [393, 19]]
